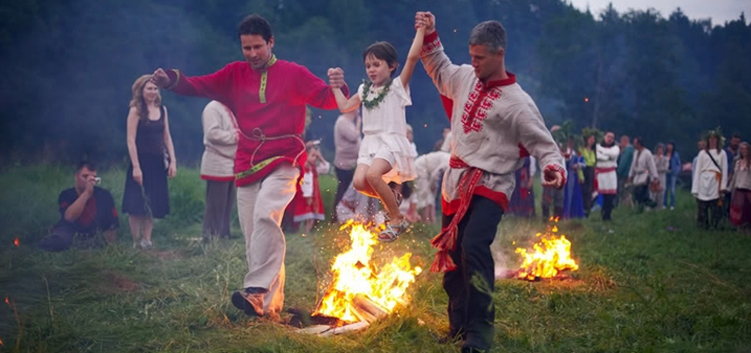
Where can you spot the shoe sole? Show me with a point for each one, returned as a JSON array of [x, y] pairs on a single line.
[[239, 302]]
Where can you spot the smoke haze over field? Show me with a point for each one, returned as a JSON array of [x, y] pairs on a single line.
[[68, 66]]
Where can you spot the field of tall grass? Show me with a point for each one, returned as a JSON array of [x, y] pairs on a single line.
[[647, 282]]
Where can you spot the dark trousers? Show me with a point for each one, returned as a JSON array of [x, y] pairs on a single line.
[[608, 202], [344, 178], [63, 235], [703, 219], [220, 196], [641, 196], [470, 287], [587, 188]]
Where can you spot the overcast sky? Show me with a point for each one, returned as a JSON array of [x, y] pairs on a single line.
[[719, 10]]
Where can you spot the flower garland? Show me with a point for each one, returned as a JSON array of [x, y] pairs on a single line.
[[370, 104]]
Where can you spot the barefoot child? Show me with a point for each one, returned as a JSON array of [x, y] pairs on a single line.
[[385, 153]]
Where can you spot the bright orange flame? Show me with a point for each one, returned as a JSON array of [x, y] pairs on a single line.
[[354, 274], [1, 343], [550, 255], [7, 301], [586, 99], [16, 242]]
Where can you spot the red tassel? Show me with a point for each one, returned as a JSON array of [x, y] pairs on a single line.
[[443, 262]]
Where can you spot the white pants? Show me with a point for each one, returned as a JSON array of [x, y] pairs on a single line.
[[260, 207]]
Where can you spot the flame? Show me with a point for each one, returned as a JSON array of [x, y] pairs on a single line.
[[354, 274], [16, 242], [1, 343], [550, 255]]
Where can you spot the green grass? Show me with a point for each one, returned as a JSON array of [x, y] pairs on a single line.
[[644, 287]]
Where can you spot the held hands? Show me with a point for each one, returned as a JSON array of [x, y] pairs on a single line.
[[425, 20], [160, 78], [336, 78], [90, 183]]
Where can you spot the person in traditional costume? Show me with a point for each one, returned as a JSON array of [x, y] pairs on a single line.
[[522, 203], [740, 204], [386, 154], [672, 176], [217, 168], [308, 202], [495, 124], [662, 163], [573, 205], [643, 172], [429, 168], [710, 181], [625, 159], [605, 171], [590, 161], [269, 98]]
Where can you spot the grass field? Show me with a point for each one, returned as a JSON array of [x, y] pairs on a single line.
[[653, 284]]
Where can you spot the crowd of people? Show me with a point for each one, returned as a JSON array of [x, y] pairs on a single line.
[[605, 174], [256, 156]]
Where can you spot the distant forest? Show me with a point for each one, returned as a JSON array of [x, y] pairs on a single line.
[[68, 66]]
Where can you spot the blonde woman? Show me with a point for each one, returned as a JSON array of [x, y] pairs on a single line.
[[152, 160]]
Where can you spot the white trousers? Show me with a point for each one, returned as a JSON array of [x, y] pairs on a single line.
[[260, 207]]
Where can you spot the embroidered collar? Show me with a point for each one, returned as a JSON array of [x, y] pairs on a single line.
[[268, 64], [504, 82]]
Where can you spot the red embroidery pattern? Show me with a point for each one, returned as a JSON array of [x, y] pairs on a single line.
[[477, 106], [430, 47]]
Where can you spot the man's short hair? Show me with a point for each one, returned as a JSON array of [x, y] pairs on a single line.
[[87, 164], [255, 25], [737, 136], [489, 33], [638, 139]]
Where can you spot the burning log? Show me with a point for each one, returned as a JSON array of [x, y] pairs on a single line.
[[548, 258], [367, 310]]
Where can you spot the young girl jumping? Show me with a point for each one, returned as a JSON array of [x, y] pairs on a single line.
[[385, 153]]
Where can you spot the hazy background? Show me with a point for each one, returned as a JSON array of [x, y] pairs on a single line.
[[68, 66]]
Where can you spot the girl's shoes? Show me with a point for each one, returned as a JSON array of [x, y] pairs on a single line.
[[392, 231]]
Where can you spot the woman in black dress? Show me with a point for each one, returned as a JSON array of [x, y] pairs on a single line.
[[152, 160]]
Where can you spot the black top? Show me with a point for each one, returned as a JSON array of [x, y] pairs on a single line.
[[150, 135], [99, 214]]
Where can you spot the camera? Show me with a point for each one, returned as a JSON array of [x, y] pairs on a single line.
[[97, 180]]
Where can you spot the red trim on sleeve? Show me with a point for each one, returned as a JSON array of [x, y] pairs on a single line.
[[556, 168]]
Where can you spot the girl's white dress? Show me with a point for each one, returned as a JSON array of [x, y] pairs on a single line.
[[385, 130]]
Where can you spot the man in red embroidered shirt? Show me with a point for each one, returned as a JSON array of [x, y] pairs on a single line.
[[268, 97], [494, 124], [85, 211]]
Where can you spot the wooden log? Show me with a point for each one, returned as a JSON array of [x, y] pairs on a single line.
[[367, 310], [346, 328]]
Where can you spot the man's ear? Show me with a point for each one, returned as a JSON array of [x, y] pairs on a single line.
[[271, 42]]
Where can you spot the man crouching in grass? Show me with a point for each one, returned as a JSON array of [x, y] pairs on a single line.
[[85, 211]]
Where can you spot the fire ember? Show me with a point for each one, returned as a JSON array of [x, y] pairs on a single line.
[[549, 257]]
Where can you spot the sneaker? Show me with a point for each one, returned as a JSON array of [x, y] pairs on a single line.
[[672, 208], [145, 244], [250, 303]]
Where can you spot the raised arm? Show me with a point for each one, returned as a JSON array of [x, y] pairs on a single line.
[[413, 56], [346, 105], [214, 86], [435, 61], [311, 90]]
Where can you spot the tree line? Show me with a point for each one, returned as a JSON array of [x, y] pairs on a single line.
[[68, 66]]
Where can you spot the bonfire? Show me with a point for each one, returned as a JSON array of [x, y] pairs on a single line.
[[361, 292], [549, 257]]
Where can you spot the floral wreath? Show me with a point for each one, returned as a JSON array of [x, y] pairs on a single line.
[[370, 104]]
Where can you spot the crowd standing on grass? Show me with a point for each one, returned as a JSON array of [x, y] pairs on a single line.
[[256, 155]]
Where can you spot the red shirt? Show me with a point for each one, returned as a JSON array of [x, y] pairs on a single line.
[[270, 110]]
